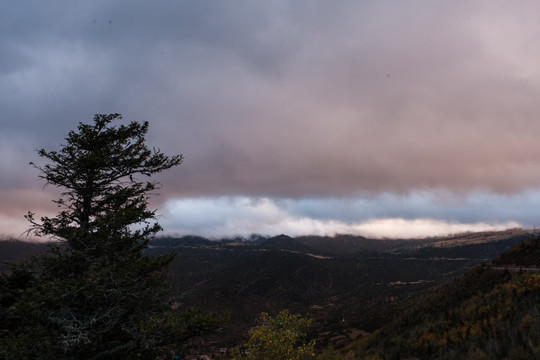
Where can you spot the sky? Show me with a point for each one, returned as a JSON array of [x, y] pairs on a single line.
[[371, 117]]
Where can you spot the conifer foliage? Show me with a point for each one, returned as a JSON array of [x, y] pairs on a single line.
[[94, 295], [102, 198]]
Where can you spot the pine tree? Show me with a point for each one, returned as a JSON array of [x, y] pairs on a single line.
[[97, 169], [95, 294]]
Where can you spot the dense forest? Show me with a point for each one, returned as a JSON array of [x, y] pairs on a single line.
[[488, 313]]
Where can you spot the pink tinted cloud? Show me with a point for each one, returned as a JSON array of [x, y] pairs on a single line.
[[290, 99], [417, 98]]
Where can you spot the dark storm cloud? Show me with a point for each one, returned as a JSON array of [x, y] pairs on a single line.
[[414, 103], [303, 99]]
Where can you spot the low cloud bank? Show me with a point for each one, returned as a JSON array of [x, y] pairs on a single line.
[[12, 227], [243, 216], [413, 215]]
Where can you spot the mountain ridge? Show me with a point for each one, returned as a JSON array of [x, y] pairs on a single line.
[[356, 287]]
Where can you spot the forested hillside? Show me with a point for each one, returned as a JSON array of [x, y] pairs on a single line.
[[486, 314], [346, 283], [524, 254], [390, 299]]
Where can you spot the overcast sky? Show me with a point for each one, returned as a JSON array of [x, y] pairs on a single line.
[[379, 118]]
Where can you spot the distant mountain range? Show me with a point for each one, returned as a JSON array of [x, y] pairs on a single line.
[[385, 297], [14, 250], [345, 282]]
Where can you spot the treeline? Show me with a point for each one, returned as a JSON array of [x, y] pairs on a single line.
[[486, 314], [526, 254]]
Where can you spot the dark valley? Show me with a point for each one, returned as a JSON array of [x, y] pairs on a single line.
[[348, 284], [384, 297]]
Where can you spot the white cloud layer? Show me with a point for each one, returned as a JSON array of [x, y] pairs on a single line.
[[14, 227], [242, 216]]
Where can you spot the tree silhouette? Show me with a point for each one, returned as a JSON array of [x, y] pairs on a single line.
[[97, 168], [95, 294]]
